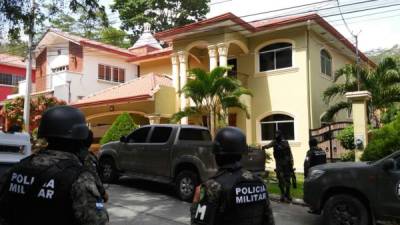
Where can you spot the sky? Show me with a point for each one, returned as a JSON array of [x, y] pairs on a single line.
[[379, 28]]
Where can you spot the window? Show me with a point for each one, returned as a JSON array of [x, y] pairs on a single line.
[[12, 148], [275, 56], [192, 134], [139, 135], [272, 123], [326, 63], [10, 79], [110, 73], [397, 160], [160, 134], [60, 68]]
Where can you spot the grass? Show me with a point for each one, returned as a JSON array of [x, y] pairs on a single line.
[[273, 188]]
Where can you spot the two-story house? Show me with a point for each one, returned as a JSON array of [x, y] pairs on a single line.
[[70, 67], [286, 62]]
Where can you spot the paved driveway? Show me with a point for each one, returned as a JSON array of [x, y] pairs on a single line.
[[145, 203]]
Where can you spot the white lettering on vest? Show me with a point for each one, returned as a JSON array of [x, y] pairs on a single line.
[[202, 211], [42, 193], [16, 188], [250, 194], [50, 184]]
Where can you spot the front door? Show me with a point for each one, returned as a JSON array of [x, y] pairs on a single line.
[[389, 193], [131, 151]]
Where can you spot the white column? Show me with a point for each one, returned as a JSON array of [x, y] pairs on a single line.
[[212, 53], [183, 58], [175, 79], [223, 54]]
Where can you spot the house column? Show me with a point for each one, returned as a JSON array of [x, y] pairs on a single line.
[[154, 119], [359, 101], [183, 58], [212, 53], [223, 54], [175, 79]]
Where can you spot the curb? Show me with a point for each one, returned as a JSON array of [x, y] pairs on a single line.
[[295, 201]]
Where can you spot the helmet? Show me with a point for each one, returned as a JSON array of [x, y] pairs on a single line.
[[313, 142], [278, 135], [63, 122], [230, 141]]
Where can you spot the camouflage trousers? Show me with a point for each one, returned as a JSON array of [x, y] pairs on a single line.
[[283, 173]]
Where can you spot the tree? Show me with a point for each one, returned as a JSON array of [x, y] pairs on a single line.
[[16, 16], [114, 36], [382, 81], [161, 14], [13, 110], [122, 126], [213, 94]]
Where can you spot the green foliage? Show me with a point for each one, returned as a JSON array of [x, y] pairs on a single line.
[[385, 141], [377, 55], [348, 156], [390, 114], [122, 126], [15, 47], [382, 81], [346, 138], [161, 14], [114, 36], [213, 94]]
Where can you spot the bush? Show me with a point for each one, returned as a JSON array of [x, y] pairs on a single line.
[[122, 126], [348, 156], [390, 114], [346, 138], [385, 141]]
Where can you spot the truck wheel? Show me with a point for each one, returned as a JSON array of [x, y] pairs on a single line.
[[186, 183], [345, 210], [108, 171]]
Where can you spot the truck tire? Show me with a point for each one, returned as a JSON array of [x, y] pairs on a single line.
[[345, 209], [185, 184], [108, 171]]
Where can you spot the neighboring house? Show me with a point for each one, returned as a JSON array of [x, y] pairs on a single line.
[[287, 63], [70, 67], [12, 75]]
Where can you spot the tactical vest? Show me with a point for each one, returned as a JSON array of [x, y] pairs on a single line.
[[40, 195], [317, 157], [282, 151], [244, 200]]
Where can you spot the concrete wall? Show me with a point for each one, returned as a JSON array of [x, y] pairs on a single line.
[[160, 66]]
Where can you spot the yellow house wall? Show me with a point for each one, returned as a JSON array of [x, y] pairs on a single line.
[[160, 66], [163, 104], [320, 82]]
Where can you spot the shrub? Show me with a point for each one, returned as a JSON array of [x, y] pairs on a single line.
[[122, 126], [390, 114], [385, 141], [348, 156], [346, 138]]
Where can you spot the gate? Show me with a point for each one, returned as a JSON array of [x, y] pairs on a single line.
[[326, 137]]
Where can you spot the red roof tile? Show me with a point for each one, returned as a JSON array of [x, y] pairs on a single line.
[[140, 88], [12, 60], [152, 55]]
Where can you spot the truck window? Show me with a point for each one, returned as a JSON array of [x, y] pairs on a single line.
[[192, 134], [139, 135], [11, 149], [160, 134], [397, 163]]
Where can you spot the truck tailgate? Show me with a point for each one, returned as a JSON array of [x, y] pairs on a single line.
[[254, 160]]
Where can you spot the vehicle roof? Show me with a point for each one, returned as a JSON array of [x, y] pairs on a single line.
[[177, 125], [14, 137]]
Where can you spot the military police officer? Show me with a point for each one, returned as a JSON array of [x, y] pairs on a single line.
[[315, 156], [52, 187], [234, 196], [284, 164]]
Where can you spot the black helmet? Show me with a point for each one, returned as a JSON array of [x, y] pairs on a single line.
[[313, 142], [63, 122], [230, 141]]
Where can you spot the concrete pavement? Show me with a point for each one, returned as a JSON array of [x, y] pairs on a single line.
[[146, 203]]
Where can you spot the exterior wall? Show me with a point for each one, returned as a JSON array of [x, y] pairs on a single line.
[[41, 71], [6, 90], [280, 91], [319, 81], [75, 57], [161, 66]]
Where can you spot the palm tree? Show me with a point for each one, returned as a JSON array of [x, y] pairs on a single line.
[[383, 82], [213, 94]]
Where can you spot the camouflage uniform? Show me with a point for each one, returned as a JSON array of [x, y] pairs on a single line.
[[91, 163], [84, 193], [284, 165], [213, 192]]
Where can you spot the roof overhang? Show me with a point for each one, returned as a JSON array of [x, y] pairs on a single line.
[[105, 48], [150, 57], [113, 101]]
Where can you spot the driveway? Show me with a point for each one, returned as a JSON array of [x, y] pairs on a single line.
[[146, 203]]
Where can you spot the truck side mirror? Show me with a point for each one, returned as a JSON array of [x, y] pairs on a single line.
[[388, 164], [123, 139]]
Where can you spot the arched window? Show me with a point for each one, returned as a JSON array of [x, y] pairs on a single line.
[[275, 56], [326, 63], [272, 123]]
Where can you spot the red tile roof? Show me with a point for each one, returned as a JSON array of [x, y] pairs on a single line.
[[152, 55], [93, 44], [140, 88], [12, 60]]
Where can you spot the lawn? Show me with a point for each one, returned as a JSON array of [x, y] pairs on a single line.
[[273, 188]]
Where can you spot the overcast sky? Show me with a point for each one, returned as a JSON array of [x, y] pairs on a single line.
[[380, 28]]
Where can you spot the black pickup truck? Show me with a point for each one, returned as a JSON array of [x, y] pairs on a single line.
[[359, 193], [175, 154]]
